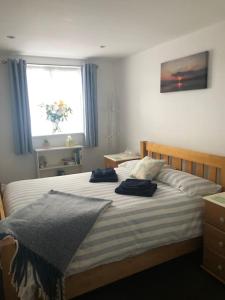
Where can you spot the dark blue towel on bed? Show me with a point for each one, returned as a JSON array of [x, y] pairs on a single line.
[[136, 187], [104, 175]]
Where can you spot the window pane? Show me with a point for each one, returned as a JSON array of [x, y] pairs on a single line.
[[49, 84]]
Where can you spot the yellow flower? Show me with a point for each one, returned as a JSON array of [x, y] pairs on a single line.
[[61, 103]]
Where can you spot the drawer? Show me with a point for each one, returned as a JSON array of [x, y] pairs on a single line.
[[215, 215], [214, 263], [214, 239]]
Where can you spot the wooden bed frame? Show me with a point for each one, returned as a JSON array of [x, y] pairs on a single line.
[[200, 164]]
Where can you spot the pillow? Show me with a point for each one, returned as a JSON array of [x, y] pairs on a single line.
[[190, 184], [147, 168]]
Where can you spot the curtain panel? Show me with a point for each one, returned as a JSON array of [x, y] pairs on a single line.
[[20, 106], [89, 83]]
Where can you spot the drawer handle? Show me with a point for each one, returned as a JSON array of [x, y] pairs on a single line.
[[220, 267], [221, 220], [221, 244]]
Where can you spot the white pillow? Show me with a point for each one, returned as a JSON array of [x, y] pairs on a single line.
[[190, 184], [147, 168]]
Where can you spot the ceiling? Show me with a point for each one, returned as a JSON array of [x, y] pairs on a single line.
[[77, 28]]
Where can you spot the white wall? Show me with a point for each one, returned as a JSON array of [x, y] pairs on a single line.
[[191, 119], [13, 167]]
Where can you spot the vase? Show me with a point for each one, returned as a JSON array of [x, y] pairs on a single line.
[[56, 127]]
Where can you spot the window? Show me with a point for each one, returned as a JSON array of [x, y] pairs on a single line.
[[55, 86]]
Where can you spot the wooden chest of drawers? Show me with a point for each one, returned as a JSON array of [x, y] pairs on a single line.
[[214, 237]]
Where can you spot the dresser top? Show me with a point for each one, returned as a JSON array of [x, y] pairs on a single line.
[[218, 199]]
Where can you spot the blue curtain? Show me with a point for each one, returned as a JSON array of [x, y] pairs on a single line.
[[20, 106], [89, 83]]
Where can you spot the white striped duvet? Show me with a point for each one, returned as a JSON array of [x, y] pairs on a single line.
[[130, 226]]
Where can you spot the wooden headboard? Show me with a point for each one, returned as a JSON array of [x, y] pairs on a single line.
[[200, 164]]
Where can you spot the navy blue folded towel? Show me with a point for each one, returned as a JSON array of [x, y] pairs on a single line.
[[137, 187], [104, 175]]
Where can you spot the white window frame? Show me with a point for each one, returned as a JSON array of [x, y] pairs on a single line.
[[59, 67]]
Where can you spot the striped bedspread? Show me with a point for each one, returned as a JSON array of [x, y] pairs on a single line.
[[132, 225]]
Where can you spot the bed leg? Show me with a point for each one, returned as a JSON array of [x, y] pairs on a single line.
[[7, 252]]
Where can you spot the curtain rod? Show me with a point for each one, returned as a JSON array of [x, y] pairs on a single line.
[[5, 60], [54, 65]]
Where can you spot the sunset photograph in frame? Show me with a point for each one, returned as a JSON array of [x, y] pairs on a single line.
[[187, 73]]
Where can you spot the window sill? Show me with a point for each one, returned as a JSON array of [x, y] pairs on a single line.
[[57, 140], [56, 135]]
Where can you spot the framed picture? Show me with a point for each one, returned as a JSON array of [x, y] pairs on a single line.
[[186, 73]]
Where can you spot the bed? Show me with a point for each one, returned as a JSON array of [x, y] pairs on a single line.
[[109, 253]]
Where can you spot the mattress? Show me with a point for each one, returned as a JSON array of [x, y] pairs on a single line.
[[132, 225]]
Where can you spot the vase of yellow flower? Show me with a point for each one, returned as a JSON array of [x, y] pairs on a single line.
[[56, 113]]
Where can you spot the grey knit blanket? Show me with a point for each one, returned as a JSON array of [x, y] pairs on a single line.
[[49, 231]]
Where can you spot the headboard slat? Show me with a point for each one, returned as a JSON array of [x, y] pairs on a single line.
[[212, 174], [199, 170], [188, 167], [158, 156], [176, 163], [166, 158]]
